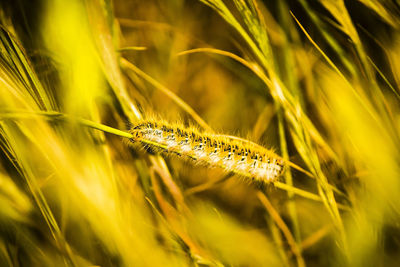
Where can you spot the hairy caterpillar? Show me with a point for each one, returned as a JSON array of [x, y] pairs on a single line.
[[229, 153]]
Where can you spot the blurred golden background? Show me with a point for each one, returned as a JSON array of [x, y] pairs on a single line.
[[316, 81]]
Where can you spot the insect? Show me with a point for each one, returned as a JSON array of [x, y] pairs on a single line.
[[232, 154]]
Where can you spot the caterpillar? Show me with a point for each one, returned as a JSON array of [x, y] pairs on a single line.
[[232, 154]]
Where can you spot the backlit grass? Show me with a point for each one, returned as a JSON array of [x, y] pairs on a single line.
[[317, 81]]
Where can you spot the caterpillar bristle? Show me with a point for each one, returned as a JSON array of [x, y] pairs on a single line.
[[232, 154]]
